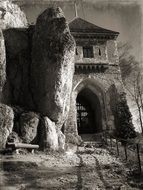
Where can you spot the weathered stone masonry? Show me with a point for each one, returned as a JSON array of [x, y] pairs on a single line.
[[94, 75]]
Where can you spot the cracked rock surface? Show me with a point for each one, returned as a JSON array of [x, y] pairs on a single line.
[[52, 66], [36, 72], [6, 123]]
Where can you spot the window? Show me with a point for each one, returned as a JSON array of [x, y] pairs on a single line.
[[88, 52], [99, 52]]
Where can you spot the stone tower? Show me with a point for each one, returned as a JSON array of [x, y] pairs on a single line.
[[96, 80]]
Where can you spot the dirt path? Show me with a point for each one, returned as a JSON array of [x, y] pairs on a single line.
[[89, 168]]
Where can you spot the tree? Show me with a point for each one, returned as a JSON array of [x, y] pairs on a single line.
[[124, 125], [132, 76], [134, 87]]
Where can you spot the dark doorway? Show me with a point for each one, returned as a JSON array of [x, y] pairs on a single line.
[[88, 112], [85, 117]]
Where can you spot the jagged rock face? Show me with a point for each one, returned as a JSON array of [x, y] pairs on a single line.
[[11, 16], [52, 65], [28, 125], [18, 57], [2, 64], [6, 123], [41, 81]]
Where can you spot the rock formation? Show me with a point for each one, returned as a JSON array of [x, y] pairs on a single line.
[[52, 65], [49, 136], [28, 125], [36, 72], [2, 64], [6, 124], [11, 16], [16, 91]]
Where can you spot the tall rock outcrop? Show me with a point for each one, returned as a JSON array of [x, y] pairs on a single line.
[[52, 65], [36, 72], [11, 15], [18, 58]]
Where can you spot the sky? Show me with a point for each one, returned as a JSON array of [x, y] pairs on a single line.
[[124, 16]]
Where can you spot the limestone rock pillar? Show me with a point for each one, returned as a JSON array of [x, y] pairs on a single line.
[[52, 66]]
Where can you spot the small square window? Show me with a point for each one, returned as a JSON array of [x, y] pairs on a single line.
[[88, 52]]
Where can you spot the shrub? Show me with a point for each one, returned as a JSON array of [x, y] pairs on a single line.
[[124, 125]]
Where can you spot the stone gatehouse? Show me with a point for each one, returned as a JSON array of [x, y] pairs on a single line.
[[96, 77]]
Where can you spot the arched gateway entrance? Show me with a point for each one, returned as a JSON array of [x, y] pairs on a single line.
[[90, 108], [89, 115]]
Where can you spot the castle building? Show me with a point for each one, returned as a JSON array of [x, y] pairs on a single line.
[[96, 79]]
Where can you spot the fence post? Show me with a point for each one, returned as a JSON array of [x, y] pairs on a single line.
[[110, 141], [139, 161], [105, 137], [117, 147], [125, 149]]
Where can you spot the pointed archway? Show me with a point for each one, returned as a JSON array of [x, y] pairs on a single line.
[[89, 115]]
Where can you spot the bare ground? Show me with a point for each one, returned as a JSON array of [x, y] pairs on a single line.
[[87, 168]]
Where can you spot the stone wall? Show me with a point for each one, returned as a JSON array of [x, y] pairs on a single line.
[[97, 57], [108, 52], [112, 52], [100, 84]]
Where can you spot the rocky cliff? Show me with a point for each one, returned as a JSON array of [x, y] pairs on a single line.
[[37, 67]]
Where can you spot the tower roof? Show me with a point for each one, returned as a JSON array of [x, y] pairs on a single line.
[[83, 26]]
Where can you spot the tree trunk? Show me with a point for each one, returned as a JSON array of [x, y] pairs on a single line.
[[140, 116]]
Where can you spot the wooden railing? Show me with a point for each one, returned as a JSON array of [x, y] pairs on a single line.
[[130, 149]]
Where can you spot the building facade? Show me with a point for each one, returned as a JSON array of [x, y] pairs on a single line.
[[97, 79]]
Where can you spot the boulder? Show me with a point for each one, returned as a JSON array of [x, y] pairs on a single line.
[[11, 16], [6, 124], [28, 124], [48, 135], [61, 140], [13, 138], [52, 65]]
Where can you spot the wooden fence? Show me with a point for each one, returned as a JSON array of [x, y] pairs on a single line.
[[131, 149]]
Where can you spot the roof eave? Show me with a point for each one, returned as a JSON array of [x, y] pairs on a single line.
[[114, 35]]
